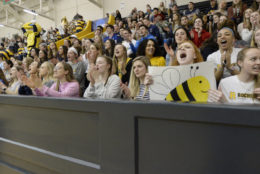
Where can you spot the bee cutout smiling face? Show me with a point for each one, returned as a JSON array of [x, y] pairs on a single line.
[[193, 89]]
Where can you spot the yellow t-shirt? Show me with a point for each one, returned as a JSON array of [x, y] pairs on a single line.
[[158, 61]]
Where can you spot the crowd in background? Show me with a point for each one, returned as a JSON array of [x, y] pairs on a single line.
[[114, 64]]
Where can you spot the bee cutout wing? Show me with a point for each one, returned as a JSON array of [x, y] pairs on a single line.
[[163, 83], [171, 77]]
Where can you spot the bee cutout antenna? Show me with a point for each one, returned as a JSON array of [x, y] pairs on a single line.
[[195, 71], [191, 70]]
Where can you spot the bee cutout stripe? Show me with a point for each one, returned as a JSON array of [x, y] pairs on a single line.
[[181, 89], [187, 91]]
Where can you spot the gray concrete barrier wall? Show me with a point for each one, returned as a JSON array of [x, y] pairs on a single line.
[[77, 136]]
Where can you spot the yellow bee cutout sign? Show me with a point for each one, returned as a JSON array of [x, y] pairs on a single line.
[[189, 83]]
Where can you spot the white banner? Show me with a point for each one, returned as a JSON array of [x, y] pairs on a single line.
[[182, 83]]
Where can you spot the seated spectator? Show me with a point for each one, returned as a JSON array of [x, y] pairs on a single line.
[[176, 21], [213, 7], [191, 12], [3, 80], [46, 74], [99, 31], [209, 46], [72, 39], [247, 33], [118, 15], [26, 63], [86, 45], [111, 34], [65, 86], [173, 10], [98, 40], [8, 64], [43, 56], [127, 40], [77, 67], [144, 35], [256, 39], [67, 43], [198, 34], [148, 12], [214, 23], [187, 53], [123, 63], [236, 11], [43, 46], [12, 88], [103, 83], [222, 7], [226, 57], [62, 53], [180, 35], [153, 29], [53, 51], [241, 88], [137, 89], [162, 8], [21, 51], [246, 22], [34, 53], [151, 50], [109, 47], [185, 23], [255, 5]]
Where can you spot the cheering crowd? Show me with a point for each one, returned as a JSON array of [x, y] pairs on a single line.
[[114, 64]]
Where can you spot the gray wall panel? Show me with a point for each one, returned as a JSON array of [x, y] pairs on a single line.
[[80, 136]]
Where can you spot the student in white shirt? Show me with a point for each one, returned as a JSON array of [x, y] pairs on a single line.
[[244, 87], [226, 57]]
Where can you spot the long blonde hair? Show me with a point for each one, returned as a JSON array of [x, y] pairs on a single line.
[[49, 75], [241, 56], [115, 59], [134, 82]]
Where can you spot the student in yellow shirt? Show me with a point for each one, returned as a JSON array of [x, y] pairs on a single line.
[[150, 48]]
